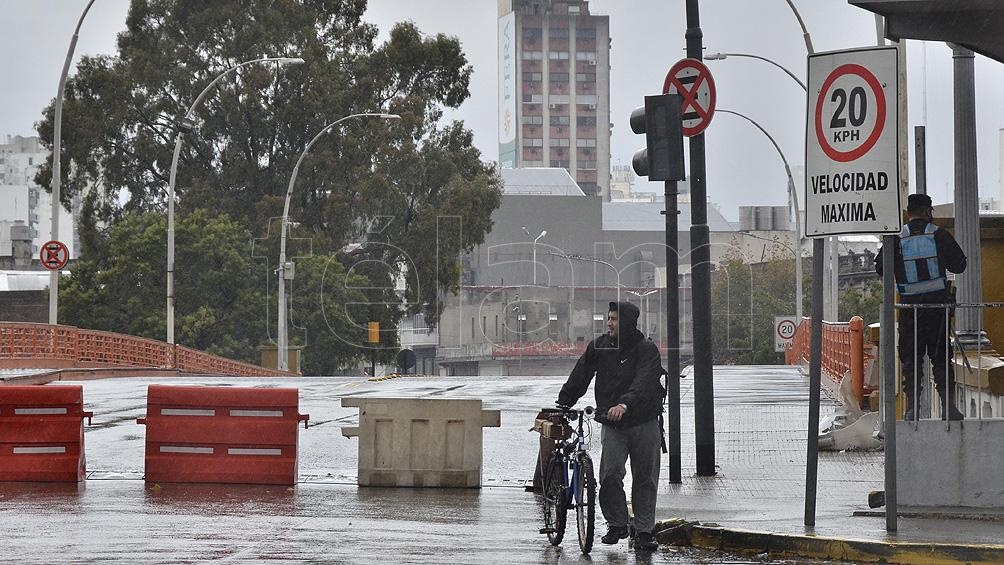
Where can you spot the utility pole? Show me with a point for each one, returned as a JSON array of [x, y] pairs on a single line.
[[704, 391]]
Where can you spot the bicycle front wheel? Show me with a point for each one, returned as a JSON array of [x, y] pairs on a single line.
[[585, 503], [555, 504]]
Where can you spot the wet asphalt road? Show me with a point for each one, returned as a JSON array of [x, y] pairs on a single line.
[[123, 521], [116, 517]]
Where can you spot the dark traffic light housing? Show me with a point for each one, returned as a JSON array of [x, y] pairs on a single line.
[[659, 119]]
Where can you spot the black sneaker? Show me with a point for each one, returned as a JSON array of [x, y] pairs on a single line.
[[614, 534], [645, 542]]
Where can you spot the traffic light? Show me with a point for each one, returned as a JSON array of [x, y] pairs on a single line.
[[659, 119]]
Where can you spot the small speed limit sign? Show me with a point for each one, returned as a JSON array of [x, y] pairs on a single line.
[[784, 332]]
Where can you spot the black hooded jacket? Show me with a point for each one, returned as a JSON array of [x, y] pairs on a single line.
[[628, 372]]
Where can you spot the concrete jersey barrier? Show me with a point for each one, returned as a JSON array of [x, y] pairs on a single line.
[[419, 442]]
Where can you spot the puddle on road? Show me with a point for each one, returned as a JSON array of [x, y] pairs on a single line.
[[212, 499]]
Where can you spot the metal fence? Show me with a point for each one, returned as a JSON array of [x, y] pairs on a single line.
[[964, 362], [845, 353], [54, 346]]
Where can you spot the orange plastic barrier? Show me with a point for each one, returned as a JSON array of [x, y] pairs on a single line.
[[42, 433], [198, 434]]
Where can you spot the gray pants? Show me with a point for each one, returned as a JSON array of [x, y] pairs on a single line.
[[642, 443]]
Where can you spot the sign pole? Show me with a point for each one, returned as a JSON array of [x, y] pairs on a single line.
[[815, 372], [673, 332], [853, 172], [887, 349], [704, 391]]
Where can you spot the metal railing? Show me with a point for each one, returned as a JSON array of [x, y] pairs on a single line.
[[844, 352], [931, 328], [62, 346]]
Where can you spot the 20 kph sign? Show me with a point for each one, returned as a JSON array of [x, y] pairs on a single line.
[[851, 150]]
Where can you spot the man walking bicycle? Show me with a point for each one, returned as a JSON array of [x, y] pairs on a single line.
[[923, 254], [628, 369]]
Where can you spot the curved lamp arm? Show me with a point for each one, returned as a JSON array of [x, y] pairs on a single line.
[[801, 23], [282, 337], [205, 91], [57, 144], [182, 128], [723, 56], [296, 168]]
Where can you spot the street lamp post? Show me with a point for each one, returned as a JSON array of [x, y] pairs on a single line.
[[793, 200], [283, 342], [184, 126], [816, 345], [536, 239], [57, 147]]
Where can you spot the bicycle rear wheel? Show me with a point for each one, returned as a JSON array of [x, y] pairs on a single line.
[[555, 505], [585, 503]]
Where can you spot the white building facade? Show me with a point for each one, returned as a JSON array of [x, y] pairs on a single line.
[[23, 200]]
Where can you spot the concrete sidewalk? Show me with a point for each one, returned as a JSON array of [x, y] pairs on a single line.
[[760, 486]]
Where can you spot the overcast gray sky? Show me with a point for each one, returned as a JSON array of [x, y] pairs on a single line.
[[648, 37]]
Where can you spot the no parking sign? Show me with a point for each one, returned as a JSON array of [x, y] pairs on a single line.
[[852, 144]]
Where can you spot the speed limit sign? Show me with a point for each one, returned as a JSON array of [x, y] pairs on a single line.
[[851, 143], [784, 332]]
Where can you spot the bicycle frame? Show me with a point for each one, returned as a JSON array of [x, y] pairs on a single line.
[[569, 452]]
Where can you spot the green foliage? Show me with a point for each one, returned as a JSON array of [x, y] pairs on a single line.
[[744, 301], [415, 186], [121, 285], [865, 302], [331, 308]]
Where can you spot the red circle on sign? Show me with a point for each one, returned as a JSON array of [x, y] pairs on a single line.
[[783, 324], [873, 83], [704, 115], [54, 255]]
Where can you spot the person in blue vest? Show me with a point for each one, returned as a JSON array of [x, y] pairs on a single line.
[[629, 398], [923, 254]]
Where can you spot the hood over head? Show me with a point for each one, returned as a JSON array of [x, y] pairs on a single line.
[[627, 314]]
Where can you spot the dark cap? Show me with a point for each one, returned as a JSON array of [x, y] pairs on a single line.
[[627, 313], [918, 203]]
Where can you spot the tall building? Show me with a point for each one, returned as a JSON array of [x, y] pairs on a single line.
[[22, 199], [554, 89]]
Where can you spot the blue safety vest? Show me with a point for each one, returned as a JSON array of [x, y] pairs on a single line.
[[921, 268]]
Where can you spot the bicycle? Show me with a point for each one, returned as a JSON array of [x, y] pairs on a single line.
[[569, 482]]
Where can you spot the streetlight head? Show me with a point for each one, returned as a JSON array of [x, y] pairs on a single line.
[[715, 57], [543, 233], [289, 60], [390, 116]]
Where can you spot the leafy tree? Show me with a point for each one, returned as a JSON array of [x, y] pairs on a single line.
[[417, 186], [865, 302], [330, 312], [121, 285], [744, 301]]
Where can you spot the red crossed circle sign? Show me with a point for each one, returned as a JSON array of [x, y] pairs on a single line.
[[54, 255], [691, 79], [855, 152]]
